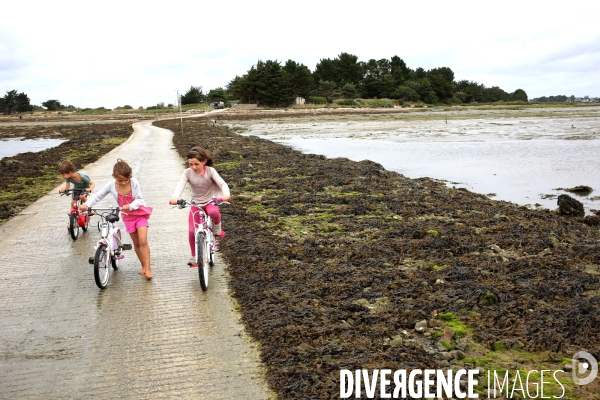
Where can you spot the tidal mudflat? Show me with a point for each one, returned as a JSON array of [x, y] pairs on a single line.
[[527, 156]]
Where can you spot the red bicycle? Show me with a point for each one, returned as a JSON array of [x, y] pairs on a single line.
[[77, 218]]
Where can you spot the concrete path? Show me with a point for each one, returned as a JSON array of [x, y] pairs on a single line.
[[63, 338]]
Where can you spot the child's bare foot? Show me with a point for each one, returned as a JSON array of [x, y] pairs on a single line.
[[148, 275], [142, 272]]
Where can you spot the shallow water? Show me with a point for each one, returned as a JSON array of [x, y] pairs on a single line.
[[11, 147], [520, 159]]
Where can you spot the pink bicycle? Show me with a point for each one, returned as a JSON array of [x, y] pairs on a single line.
[[109, 247]]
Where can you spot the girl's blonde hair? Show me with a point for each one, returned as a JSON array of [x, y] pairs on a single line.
[[122, 168]]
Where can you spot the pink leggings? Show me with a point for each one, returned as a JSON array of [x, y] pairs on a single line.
[[194, 217]]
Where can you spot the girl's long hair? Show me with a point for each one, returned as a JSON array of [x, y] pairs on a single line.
[[122, 168], [200, 154]]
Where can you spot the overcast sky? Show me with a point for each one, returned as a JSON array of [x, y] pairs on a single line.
[[113, 53]]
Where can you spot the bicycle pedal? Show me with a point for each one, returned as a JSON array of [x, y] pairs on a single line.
[[127, 247], [91, 260]]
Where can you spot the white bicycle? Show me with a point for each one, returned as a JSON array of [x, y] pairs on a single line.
[[205, 239], [109, 247]]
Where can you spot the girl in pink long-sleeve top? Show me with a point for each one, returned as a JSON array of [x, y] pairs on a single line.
[[205, 183]]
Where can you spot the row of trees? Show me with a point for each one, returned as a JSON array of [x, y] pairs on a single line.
[[55, 105], [554, 99], [195, 95], [345, 77], [272, 83], [15, 102]]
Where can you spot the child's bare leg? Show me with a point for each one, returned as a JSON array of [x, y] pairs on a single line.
[[142, 250], [135, 238]]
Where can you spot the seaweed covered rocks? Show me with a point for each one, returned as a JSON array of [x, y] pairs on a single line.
[[334, 262], [28, 176], [569, 206]]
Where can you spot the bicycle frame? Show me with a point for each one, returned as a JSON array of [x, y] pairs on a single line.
[[205, 244], [109, 247], [203, 227], [75, 198], [110, 234], [77, 219]]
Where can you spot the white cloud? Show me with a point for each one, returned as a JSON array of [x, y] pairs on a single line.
[[110, 53]]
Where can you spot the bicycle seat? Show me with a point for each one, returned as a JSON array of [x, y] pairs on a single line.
[[112, 218]]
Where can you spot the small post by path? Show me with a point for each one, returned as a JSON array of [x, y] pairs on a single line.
[[180, 111]]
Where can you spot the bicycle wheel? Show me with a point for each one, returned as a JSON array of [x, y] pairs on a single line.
[[202, 260], [102, 266], [73, 226]]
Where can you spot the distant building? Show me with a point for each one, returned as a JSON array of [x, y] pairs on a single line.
[[587, 99]]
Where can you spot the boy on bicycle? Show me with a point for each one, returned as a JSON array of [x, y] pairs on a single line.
[[80, 180]]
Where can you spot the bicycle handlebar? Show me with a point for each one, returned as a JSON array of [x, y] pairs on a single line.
[[182, 203], [70, 191], [105, 210]]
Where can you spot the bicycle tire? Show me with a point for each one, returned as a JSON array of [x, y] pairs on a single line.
[[101, 266], [202, 260], [114, 262], [73, 226]]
